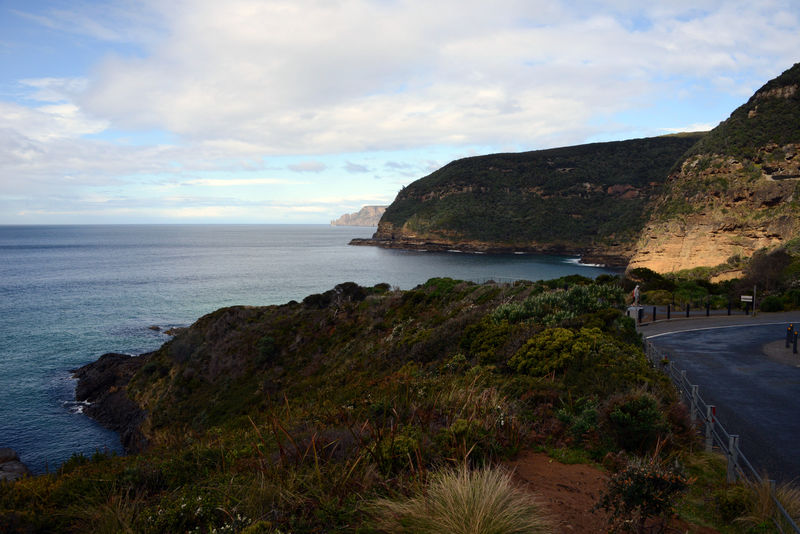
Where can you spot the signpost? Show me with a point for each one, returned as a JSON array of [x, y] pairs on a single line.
[[747, 299]]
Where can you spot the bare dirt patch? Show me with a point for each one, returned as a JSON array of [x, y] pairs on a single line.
[[568, 491]]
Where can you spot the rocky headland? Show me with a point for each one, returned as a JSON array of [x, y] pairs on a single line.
[[668, 203], [103, 385], [366, 216], [11, 468]]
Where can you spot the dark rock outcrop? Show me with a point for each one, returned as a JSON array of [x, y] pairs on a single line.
[[11, 468], [103, 384]]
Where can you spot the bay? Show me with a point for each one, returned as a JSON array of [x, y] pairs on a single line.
[[69, 294]]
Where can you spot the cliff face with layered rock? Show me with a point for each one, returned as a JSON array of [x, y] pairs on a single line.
[[738, 190], [366, 216], [588, 200]]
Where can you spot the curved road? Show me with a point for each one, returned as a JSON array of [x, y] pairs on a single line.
[[742, 367]]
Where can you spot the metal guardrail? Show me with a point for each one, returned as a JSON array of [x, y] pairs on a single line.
[[739, 467]]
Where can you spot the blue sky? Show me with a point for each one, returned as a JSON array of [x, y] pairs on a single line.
[[298, 111]]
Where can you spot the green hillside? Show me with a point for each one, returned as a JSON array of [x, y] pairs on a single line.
[[296, 418], [574, 196], [770, 116]]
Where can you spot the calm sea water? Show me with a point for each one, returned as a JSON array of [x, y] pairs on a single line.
[[69, 294]]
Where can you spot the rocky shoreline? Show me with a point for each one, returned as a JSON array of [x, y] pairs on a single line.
[[11, 468], [102, 384], [587, 256]]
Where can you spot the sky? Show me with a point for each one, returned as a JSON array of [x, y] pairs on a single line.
[[298, 111]]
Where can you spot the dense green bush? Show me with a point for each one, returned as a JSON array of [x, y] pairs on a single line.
[[772, 303], [635, 421]]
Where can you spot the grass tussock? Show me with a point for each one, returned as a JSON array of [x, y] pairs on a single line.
[[464, 501], [762, 509]]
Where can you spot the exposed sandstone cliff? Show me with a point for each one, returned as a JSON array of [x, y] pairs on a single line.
[[738, 191]]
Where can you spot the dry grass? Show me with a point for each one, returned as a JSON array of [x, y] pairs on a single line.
[[464, 501], [762, 507]]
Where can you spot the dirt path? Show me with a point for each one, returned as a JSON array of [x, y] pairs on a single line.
[[568, 491]]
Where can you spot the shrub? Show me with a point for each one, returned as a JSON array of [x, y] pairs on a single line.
[[553, 307], [589, 361], [635, 421], [792, 298], [645, 488], [463, 501], [772, 303]]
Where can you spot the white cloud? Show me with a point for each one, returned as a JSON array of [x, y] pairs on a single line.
[[232, 182], [300, 77], [308, 166]]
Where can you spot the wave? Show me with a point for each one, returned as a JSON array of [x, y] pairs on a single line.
[[577, 261]]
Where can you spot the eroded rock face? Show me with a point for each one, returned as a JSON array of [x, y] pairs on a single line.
[[366, 216], [11, 468], [717, 207], [103, 385]]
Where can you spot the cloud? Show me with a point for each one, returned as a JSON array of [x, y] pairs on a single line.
[[308, 166], [355, 168], [291, 77], [231, 182]]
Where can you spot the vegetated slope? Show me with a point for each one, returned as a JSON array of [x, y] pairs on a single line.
[[738, 189], [294, 417], [582, 199]]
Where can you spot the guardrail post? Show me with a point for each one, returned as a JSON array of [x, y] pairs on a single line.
[[695, 389], [682, 388], [733, 456], [711, 411]]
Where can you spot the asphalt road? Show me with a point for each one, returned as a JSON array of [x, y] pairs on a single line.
[[743, 369]]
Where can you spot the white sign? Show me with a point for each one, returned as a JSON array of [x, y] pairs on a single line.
[[747, 298]]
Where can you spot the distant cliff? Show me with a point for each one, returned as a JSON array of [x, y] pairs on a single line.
[[366, 216], [589, 200], [737, 190]]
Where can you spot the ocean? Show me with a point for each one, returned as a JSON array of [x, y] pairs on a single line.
[[69, 294]]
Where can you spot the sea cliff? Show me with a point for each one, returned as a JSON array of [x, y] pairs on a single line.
[[366, 216]]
